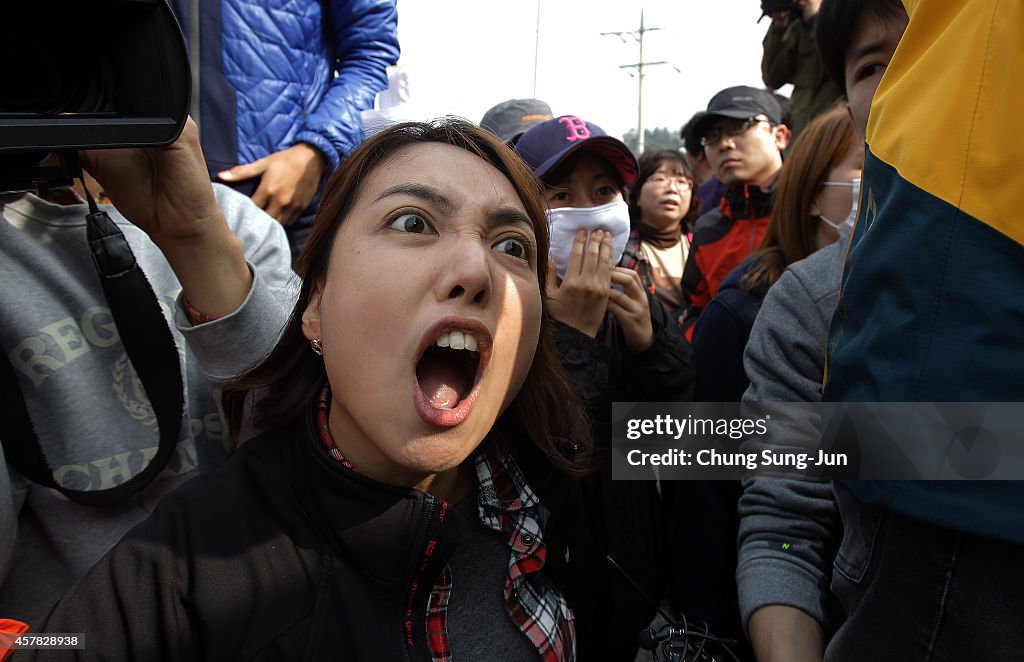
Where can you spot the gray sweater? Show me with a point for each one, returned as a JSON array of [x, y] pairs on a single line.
[[789, 528], [93, 419]]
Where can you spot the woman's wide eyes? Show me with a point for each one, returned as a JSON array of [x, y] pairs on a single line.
[[412, 223], [514, 247]]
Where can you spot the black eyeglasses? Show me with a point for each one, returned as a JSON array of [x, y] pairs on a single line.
[[681, 183], [729, 128]]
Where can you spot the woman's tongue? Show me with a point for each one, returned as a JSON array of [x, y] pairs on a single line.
[[442, 379]]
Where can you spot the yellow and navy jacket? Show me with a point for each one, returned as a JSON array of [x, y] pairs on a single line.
[[932, 300]]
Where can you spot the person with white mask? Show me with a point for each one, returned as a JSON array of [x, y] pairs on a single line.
[[786, 604], [841, 199], [616, 341], [816, 185]]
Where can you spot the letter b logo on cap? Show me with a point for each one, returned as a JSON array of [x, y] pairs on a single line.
[[577, 128]]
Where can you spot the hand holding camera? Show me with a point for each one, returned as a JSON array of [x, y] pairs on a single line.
[[783, 12], [163, 190], [116, 75], [166, 192]]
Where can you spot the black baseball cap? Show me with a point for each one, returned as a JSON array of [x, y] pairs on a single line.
[[510, 119], [549, 144], [739, 102]]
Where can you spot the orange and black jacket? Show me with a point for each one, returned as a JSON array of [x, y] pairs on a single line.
[[722, 239]]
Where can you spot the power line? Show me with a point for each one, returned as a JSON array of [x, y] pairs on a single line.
[[639, 65]]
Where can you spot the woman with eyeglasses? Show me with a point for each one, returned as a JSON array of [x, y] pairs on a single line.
[[814, 205], [663, 204]]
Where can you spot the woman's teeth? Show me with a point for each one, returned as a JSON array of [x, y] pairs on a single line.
[[457, 340]]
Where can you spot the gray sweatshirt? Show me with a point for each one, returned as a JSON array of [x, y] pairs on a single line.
[[94, 421], [789, 529]]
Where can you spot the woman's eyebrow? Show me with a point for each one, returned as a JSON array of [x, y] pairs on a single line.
[[501, 216], [423, 192], [509, 215]]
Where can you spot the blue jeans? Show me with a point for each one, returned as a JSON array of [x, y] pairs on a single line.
[[916, 592]]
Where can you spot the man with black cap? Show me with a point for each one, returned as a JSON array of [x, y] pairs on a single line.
[[743, 138]]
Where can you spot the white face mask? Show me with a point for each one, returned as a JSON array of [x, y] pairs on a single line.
[[845, 226], [564, 222]]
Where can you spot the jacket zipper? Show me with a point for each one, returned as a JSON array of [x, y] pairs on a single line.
[[421, 548], [751, 215]]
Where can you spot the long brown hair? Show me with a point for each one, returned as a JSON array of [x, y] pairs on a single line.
[[288, 380], [792, 232]]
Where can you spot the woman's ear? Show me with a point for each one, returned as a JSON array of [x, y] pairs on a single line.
[[311, 315], [815, 210]]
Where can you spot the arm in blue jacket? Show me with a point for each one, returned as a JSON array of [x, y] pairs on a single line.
[[365, 38]]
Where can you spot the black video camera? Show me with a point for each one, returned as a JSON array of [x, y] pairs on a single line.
[[93, 74], [772, 6], [88, 74], [769, 7]]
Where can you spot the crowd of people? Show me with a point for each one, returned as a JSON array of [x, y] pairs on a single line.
[[397, 353]]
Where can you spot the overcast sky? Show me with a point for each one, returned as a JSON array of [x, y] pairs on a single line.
[[464, 56]]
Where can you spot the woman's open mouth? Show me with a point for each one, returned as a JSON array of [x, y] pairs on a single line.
[[449, 370]]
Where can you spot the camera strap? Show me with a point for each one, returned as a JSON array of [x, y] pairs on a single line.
[[150, 347]]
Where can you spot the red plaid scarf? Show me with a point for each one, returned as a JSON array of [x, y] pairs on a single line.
[[508, 506]]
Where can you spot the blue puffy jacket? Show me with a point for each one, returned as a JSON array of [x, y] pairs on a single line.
[[272, 73]]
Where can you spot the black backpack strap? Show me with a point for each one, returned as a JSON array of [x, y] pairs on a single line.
[[150, 347]]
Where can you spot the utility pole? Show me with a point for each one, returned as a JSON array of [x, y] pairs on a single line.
[[536, 50], [638, 36]]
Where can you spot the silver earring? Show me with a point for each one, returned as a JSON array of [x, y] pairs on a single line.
[[318, 348]]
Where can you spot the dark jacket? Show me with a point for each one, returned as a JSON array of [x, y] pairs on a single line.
[[284, 554], [628, 515], [711, 191], [706, 522], [605, 370], [722, 239], [791, 56], [719, 337]]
